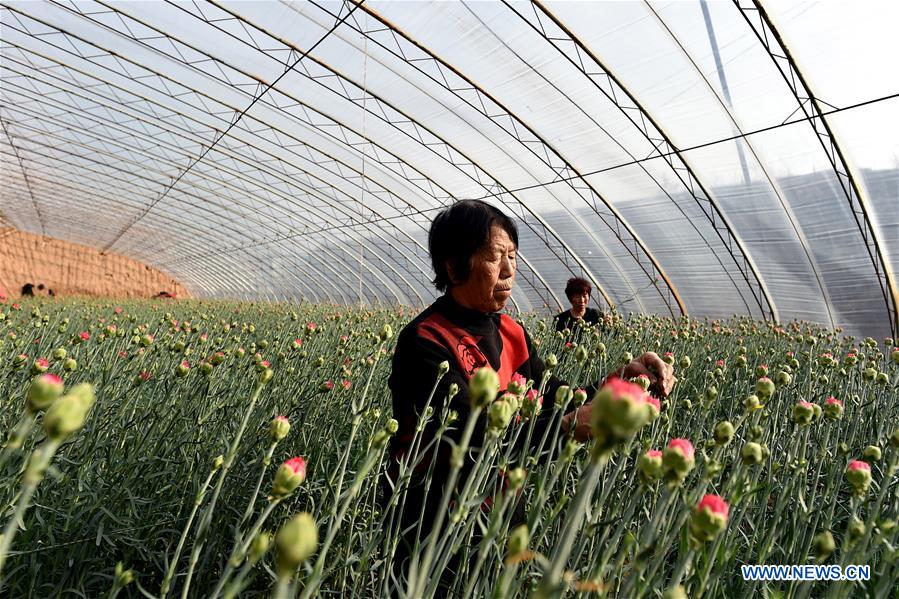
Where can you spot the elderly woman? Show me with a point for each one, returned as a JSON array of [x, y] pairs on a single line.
[[473, 250], [578, 291]]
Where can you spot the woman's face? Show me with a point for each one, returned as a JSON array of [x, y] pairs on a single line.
[[489, 285], [579, 301]]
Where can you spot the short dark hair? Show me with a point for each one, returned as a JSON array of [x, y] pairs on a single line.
[[576, 286], [458, 233]]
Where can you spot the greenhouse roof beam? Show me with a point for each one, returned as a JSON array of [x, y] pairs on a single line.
[[810, 105], [816, 270], [76, 188], [465, 166], [607, 83], [37, 210], [376, 231], [528, 137]]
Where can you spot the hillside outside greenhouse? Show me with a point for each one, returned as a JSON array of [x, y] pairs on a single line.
[[449, 299]]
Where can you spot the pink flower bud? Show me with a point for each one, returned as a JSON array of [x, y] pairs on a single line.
[[858, 473], [619, 410], [858, 465], [518, 384], [678, 459], [43, 392], [803, 412], [289, 476], [280, 427], [710, 518], [84, 335], [650, 465]]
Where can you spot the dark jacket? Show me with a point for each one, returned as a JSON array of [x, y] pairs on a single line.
[[468, 340], [564, 320]]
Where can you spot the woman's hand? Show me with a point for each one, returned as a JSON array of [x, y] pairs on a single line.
[[661, 374]]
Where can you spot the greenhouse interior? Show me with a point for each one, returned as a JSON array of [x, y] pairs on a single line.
[[384, 298]]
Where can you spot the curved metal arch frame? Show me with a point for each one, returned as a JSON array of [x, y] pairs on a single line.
[[619, 227], [771, 181], [98, 192], [225, 223], [495, 190], [319, 131], [171, 215], [536, 288], [380, 100], [414, 290], [196, 276], [37, 210], [615, 91], [771, 40], [520, 208]]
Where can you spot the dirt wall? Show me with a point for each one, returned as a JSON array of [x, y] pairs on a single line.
[[71, 269]]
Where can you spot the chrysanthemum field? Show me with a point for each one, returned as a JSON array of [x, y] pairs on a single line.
[[223, 449]]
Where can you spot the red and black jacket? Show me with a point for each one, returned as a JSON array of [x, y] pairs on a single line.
[[467, 339]]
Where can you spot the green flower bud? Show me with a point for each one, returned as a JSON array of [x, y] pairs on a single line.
[[724, 433], [43, 391], [619, 410], [516, 478], [68, 413], [764, 388], [392, 426], [675, 592], [817, 410], [483, 387], [123, 577], [218, 462], [783, 378], [752, 454], [580, 355], [855, 530], [296, 541], [499, 414], [442, 368], [59, 354], [563, 395], [579, 397], [552, 361], [279, 428], [685, 362], [266, 375], [518, 541], [259, 546], [650, 465], [823, 545], [871, 454], [858, 474], [678, 460], [452, 390], [752, 403], [709, 518], [803, 412]]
